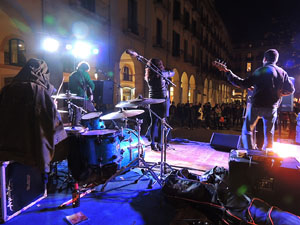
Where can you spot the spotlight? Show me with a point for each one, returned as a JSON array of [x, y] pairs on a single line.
[[69, 47], [95, 51], [50, 44], [81, 49]]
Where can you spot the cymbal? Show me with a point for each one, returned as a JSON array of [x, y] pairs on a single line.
[[126, 104], [139, 102], [62, 111], [67, 96], [122, 114]]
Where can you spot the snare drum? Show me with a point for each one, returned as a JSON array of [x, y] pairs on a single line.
[[92, 121], [100, 147], [129, 146]]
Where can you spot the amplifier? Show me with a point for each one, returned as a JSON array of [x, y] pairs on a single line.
[[273, 179], [21, 187]]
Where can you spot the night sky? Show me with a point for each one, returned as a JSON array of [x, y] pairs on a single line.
[[251, 20]]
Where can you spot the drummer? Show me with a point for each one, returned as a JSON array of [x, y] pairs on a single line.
[[158, 89], [31, 128], [81, 84]]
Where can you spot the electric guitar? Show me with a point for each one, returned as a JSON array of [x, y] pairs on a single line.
[[221, 66]]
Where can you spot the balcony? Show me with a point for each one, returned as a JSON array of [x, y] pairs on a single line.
[[136, 30]]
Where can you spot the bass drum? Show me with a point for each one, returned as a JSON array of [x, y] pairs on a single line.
[[100, 147], [129, 147]]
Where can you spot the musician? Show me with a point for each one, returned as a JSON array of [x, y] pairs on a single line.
[[270, 83], [30, 125], [158, 89], [81, 84]]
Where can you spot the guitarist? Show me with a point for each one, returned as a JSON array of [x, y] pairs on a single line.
[[81, 84], [269, 83]]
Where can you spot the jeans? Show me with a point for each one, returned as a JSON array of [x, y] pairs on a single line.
[[269, 116]]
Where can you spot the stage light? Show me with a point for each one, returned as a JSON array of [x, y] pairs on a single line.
[[285, 150], [69, 47], [50, 44], [81, 49], [95, 51], [96, 76]]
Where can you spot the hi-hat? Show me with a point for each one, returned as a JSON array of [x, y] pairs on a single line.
[[67, 96], [134, 103], [122, 114]]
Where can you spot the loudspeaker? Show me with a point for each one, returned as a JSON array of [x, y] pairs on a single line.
[[103, 93], [225, 142], [268, 177]]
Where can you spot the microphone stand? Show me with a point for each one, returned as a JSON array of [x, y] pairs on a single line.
[[154, 69]]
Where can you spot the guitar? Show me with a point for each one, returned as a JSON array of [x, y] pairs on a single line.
[[221, 66], [89, 93]]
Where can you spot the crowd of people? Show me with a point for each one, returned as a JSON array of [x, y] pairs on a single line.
[[219, 116]]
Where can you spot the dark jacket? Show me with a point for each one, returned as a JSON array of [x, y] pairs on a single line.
[[30, 125], [270, 83]]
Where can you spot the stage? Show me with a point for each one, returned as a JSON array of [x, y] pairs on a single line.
[[125, 202]]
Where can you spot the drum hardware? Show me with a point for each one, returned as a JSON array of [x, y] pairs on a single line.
[[139, 160]]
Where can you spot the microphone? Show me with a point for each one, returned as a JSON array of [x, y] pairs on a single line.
[[132, 53]]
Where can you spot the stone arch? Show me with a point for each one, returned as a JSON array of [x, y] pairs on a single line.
[[205, 91], [127, 77], [192, 88], [175, 91], [184, 87], [210, 92]]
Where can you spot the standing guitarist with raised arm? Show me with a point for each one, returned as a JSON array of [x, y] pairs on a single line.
[[270, 83]]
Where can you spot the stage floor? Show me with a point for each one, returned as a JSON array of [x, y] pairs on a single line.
[[125, 202]]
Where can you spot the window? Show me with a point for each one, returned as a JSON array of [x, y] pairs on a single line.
[[185, 50], [176, 10], [194, 27], [248, 67], [249, 55], [126, 74], [88, 4], [193, 54], [14, 53], [159, 32], [132, 16], [186, 18], [176, 44]]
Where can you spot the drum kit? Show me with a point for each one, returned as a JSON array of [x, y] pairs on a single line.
[[100, 147]]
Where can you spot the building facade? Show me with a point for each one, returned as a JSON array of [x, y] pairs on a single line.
[[187, 35]]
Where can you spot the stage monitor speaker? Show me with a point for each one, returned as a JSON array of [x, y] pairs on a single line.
[[103, 93], [225, 142]]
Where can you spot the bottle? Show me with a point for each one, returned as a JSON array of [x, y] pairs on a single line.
[[76, 196]]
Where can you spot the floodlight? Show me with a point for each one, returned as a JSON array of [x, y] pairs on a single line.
[[81, 49], [50, 44]]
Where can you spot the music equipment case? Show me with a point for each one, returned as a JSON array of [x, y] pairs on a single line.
[[273, 179], [21, 187]]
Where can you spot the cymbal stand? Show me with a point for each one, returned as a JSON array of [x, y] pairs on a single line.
[[139, 160], [71, 111]]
